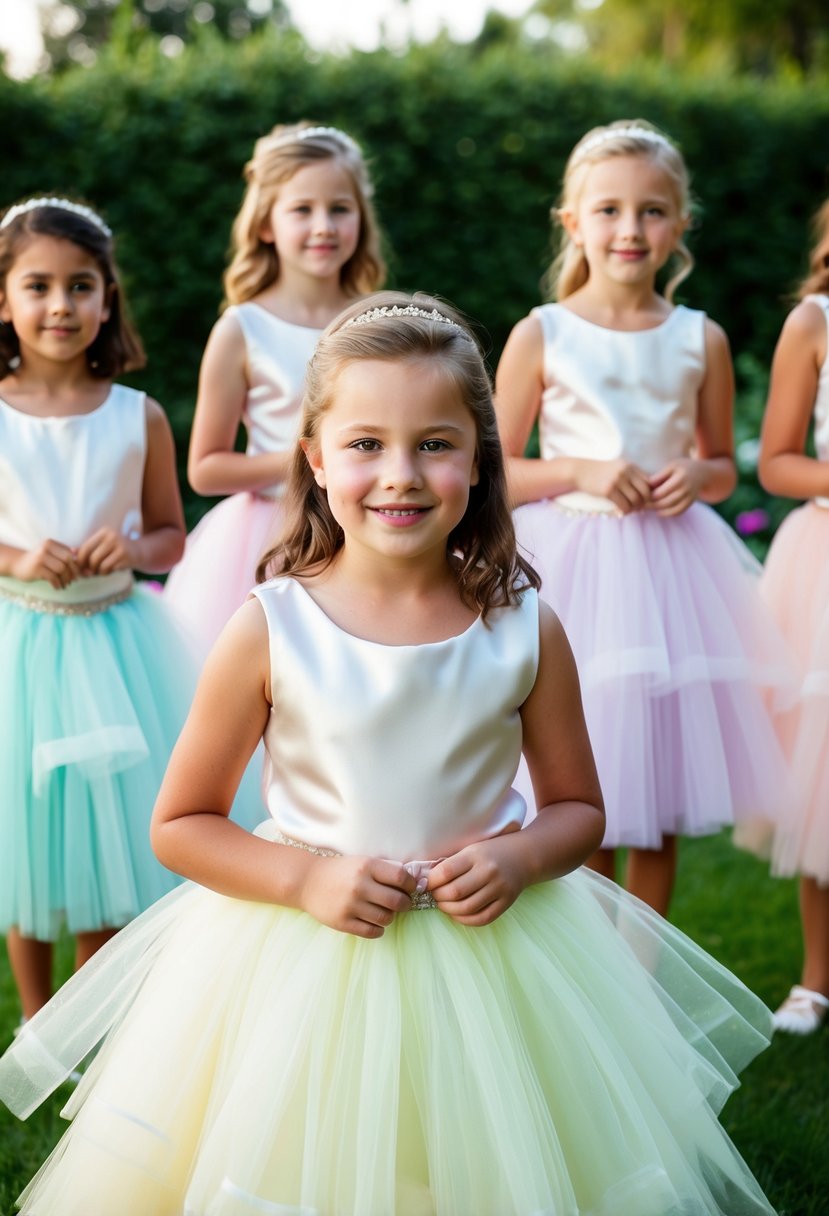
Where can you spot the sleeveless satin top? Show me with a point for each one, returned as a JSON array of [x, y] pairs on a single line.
[[277, 355], [403, 752], [820, 414], [612, 394], [65, 477]]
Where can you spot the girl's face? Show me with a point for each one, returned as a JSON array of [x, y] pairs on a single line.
[[56, 298], [396, 454], [626, 219], [314, 222]]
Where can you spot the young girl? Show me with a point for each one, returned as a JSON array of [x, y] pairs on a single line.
[[305, 243], [796, 587], [633, 397], [94, 679], [384, 1004]]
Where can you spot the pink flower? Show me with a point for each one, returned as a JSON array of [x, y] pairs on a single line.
[[748, 523]]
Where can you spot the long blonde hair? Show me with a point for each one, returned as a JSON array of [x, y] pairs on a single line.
[[817, 280], [491, 572], [626, 137], [276, 158]]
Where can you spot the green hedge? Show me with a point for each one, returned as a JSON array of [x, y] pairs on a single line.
[[467, 151]]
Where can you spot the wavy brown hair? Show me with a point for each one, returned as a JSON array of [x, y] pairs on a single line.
[[491, 572], [276, 158], [117, 347], [569, 270], [817, 280]]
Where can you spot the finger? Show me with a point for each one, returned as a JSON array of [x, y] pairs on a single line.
[[389, 899], [362, 928], [483, 916], [392, 874], [448, 869]]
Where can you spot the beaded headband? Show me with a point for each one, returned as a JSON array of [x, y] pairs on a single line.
[[292, 137], [603, 137], [64, 204], [410, 310]]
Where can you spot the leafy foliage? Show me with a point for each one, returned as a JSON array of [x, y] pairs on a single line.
[[468, 145]]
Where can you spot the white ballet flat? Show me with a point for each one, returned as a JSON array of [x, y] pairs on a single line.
[[802, 1012]]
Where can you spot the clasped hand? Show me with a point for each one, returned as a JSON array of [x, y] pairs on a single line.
[[104, 552], [669, 492]]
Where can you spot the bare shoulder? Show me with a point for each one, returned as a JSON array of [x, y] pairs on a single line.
[[806, 322], [716, 340]]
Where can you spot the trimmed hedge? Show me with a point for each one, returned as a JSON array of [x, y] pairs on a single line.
[[467, 151]]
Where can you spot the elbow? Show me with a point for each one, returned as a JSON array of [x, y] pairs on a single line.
[[199, 482]]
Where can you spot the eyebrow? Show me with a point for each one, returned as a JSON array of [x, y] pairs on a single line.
[[378, 429], [46, 274]]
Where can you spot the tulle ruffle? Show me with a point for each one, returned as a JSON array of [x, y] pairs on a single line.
[[676, 656], [90, 707], [219, 565], [795, 585], [568, 1059]]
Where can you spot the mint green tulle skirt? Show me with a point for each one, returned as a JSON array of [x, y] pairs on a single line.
[[568, 1059], [90, 707]]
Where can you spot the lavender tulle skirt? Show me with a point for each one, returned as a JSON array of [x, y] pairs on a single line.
[[219, 565], [679, 660], [795, 586]]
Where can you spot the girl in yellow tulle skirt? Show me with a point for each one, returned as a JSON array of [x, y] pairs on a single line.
[[393, 999]]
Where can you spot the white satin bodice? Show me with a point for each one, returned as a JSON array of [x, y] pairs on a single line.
[[394, 751], [63, 478], [277, 355], [612, 394], [820, 413]]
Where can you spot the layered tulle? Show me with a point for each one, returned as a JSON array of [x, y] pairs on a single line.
[[570, 1058], [219, 564], [90, 707], [676, 656], [795, 585]]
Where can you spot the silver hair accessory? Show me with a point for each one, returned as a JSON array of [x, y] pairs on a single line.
[[410, 310], [64, 204], [603, 137], [291, 137]]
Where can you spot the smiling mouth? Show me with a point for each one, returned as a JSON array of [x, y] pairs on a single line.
[[399, 512]]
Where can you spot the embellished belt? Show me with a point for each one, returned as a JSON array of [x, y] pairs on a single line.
[[58, 607], [419, 870]]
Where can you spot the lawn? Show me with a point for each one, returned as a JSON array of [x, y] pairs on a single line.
[[779, 1118]]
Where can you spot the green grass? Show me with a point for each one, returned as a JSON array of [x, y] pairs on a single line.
[[726, 901]]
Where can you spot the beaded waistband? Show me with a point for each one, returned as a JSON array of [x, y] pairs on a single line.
[[56, 607], [420, 899]]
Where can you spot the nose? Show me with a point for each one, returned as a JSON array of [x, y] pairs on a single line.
[[323, 222], [630, 225], [401, 471], [60, 302]]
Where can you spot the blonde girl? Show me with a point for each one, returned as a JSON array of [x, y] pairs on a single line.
[[95, 679], [305, 243], [796, 587], [633, 399], [392, 1000]]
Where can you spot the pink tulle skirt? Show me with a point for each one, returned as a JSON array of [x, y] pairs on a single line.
[[676, 654], [219, 565], [795, 585]]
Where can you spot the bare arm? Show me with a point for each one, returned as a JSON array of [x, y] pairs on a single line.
[[161, 542], [192, 835], [710, 476], [213, 466], [784, 468], [479, 883], [519, 384]]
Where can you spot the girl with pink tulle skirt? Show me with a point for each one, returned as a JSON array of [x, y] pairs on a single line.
[[305, 243], [633, 399]]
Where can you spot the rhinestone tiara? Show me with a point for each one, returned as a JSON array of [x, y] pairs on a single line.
[[410, 310], [292, 137], [65, 204], [602, 137]]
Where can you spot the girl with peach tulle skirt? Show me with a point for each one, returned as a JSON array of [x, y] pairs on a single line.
[[659, 599], [391, 1000], [95, 676], [796, 587], [305, 243]]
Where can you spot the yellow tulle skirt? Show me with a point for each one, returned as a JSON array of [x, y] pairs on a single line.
[[569, 1058]]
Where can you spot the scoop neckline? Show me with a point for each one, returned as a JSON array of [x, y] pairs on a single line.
[[472, 626], [607, 329], [311, 329], [58, 417]]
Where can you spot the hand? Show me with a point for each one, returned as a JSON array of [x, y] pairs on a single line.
[[677, 486], [104, 552], [52, 561], [624, 483], [478, 884], [359, 895]]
